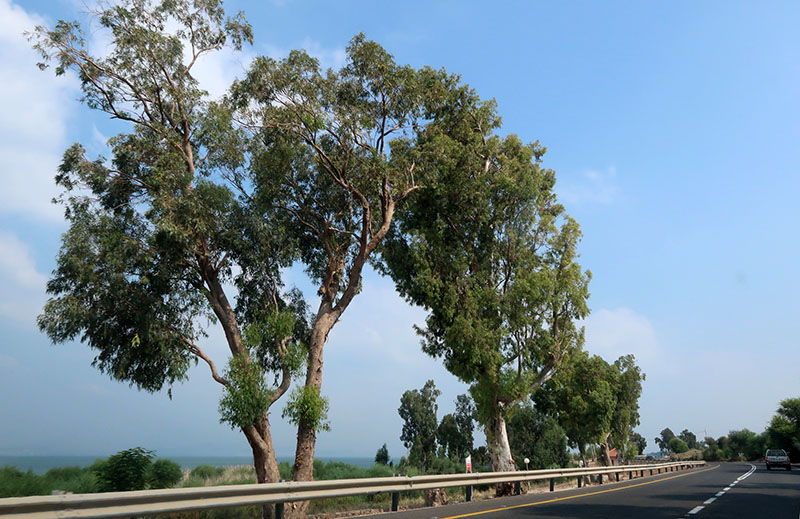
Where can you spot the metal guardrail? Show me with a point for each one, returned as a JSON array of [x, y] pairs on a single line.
[[150, 502]]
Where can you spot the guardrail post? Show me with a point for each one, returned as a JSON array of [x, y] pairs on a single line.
[[617, 476], [552, 484], [396, 501], [600, 479], [278, 510], [651, 472], [630, 474], [580, 481], [517, 488], [469, 493]]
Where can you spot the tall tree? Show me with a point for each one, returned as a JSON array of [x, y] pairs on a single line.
[[628, 388], [488, 251], [158, 234], [418, 410], [341, 140]]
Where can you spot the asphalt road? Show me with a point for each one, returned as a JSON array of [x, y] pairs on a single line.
[[719, 490]]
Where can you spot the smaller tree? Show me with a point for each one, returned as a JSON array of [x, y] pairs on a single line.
[[663, 441], [689, 437], [418, 411], [639, 441], [382, 456], [538, 437], [124, 471]]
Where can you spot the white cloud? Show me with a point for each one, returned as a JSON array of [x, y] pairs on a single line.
[[32, 122], [21, 285], [592, 187], [328, 58], [617, 332]]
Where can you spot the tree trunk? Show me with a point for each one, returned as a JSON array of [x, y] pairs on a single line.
[[500, 451], [306, 433], [605, 452], [264, 460]]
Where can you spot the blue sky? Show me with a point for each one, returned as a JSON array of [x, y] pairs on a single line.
[[673, 129]]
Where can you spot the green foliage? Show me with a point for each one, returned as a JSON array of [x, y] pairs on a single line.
[[125, 470], [306, 406], [164, 474], [627, 389], [488, 251], [678, 446], [539, 438], [160, 230], [207, 472], [664, 438], [382, 456], [246, 397], [583, 397], [14, 482], [745, 443], [689, 438], [418, 410], [639, 441], [783, 431]]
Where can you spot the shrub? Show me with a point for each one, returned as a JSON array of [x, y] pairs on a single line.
[[207, 472], [125, 470], [14, 483], [165, 474]]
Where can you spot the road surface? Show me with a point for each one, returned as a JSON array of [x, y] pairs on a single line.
[[719, 490]]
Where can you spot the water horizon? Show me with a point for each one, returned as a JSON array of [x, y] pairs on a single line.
[[41, 464]]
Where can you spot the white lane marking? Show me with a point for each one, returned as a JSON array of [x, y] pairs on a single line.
[[710, 500], [745, 476]]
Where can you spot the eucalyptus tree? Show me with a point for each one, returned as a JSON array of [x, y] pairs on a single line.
[[418, 409], [341, 140], [583, 398], [159, 234], [628, 378], [595, 402], [489, 252]]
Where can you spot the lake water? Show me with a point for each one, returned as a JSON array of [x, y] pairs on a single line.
[[41, 464]]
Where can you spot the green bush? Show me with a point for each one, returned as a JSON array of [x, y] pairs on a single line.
[[15, 483], [71, 479], [165, 474], [207, 472], [125, 470]]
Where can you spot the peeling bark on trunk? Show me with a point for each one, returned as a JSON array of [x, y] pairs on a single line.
[[306, 434], [605, 452], [264, 460], [500, 451]]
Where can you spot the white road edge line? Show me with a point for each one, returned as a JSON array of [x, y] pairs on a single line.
[[695, 510], [709, 500]]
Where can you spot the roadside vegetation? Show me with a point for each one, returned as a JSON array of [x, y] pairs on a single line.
[[782, 432]]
